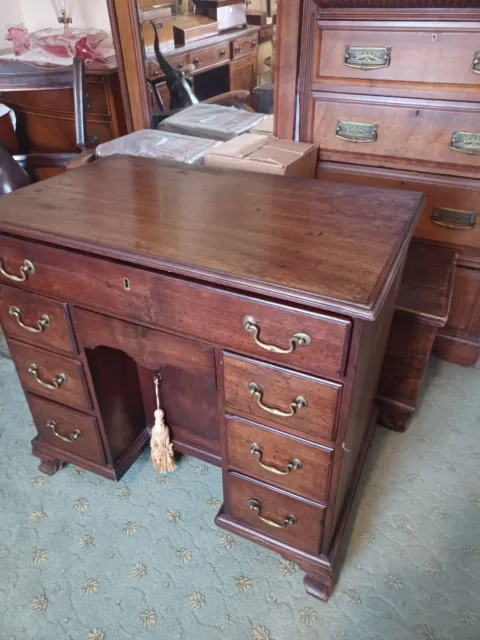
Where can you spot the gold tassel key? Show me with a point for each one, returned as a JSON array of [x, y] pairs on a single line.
[[163, 459]]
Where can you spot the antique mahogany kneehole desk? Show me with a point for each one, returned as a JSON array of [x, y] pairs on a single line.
[[265, 303]]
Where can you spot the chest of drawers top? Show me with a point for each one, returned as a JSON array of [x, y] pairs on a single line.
[[328, 246]]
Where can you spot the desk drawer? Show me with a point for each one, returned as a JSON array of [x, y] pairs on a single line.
[[452, 209], [423, 56], [36, 320], [244, 46], [73, 432], [275, 514], [187, 309], [294, 401], [403, 133], [179, 61], [210, 57], [55, 377], [272, 457]]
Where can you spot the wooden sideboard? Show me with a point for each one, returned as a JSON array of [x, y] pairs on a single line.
[[45, 120], [389, 90], [264, 302], [234, 51]]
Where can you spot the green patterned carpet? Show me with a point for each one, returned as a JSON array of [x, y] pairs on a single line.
[[82, 558]]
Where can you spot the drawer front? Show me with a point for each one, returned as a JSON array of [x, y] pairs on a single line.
[[452, 209], [73, 432], [426, 56], [167, 302], [57, 103], [210, 57], [408, 134], [244, 46], [179, 61], [297, 523], [55, 377], [35, 319], [286, 462], [295, 401]]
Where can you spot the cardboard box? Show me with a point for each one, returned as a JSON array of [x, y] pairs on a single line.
[[263, 154], [265, 127]]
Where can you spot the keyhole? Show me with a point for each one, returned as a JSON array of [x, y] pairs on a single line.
[[126, 284], [434, 37]]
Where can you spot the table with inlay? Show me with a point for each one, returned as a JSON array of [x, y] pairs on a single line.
[[264, 302]]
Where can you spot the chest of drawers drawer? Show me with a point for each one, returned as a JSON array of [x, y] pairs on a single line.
[[75, 433], [286, 462], [274, 513], [451, 215], [411, 56], [35, 319], [404, 133], [294, 401], [52, 376], [309, 341]]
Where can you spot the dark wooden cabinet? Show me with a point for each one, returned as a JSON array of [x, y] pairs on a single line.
[[269, 355], [389, 92]]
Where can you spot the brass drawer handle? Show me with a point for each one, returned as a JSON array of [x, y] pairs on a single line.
[[297, 340], [75, 435], [453, 219], [356, 131], [42, 324], [56, 382], [288, 521], [476, 62], [25, 269], [367, 58], [293, 465], [465, 142], [239, 49], [223, 53], [299, 404]]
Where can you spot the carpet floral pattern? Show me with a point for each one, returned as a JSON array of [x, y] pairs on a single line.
[[82, 558]]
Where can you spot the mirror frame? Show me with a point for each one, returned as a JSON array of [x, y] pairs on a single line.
[[126, 32]]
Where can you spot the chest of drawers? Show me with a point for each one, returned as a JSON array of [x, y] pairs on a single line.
[[390, 93], [264, 302]]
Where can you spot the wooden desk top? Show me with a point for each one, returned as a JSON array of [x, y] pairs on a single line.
[[328, 245]]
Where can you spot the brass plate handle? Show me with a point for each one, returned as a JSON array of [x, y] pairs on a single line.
[[75, 435], [26, 268], [56, 382], [453, 219], [297, 340], [42, 324], [356, 131], [299, 404], [476, 62], [293, 465], [465, 142], [367, 58], [288, 521]]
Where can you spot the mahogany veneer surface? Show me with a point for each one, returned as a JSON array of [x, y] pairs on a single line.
[[275, 235]]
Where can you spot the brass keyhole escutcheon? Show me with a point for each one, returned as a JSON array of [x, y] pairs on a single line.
[[126, 284]]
